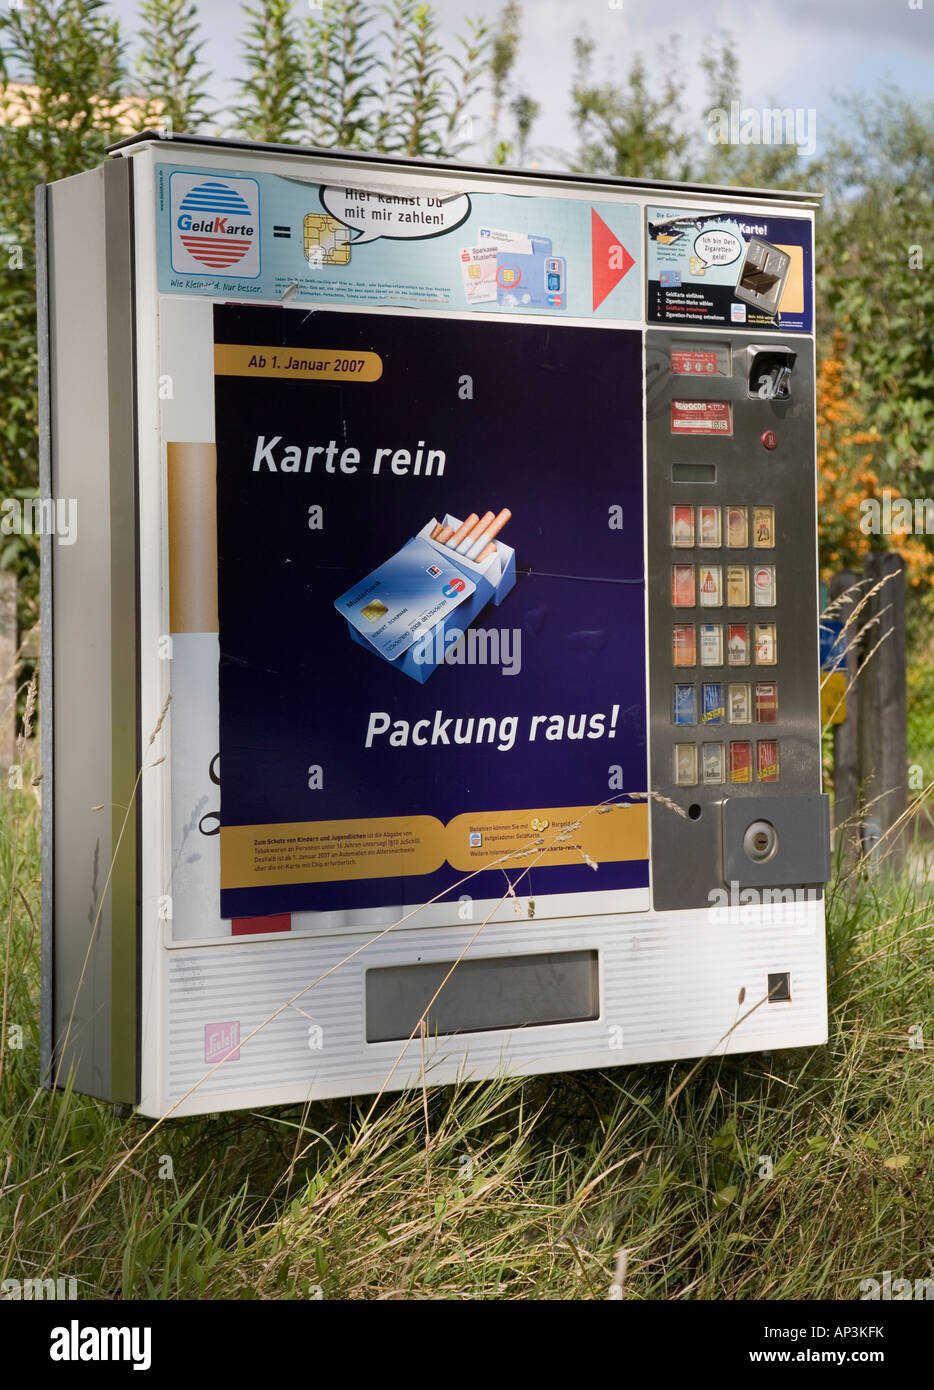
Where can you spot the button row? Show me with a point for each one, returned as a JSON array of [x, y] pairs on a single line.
[[684, 644], [713, 767], [712, 527], [737, 708], [702, 586]]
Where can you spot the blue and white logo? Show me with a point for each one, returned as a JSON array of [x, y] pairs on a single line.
[[215, 225]]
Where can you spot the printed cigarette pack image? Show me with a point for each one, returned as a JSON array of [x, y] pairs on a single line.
[[408, 609]]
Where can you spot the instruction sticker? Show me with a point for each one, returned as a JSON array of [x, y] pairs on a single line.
[[714, 267], [431, 242]]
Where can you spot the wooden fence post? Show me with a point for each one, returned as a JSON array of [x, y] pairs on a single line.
[[8, 646], [847, 589], [883, 721]]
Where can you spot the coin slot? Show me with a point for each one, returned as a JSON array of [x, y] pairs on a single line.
[[770, 372]]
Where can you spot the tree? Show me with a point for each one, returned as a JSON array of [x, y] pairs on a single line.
[[875, 274], [340, 62], [626, 128], [526, 113], [169, 68], [771, 165], [61, 103], [393, 89], [270, 100], [505, 42]]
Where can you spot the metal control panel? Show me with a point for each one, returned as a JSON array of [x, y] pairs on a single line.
[[732, 579]]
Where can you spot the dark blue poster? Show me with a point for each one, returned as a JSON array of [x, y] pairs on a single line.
[[431, 608]]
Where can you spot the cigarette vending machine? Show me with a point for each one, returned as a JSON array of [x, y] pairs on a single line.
[[431, 688]]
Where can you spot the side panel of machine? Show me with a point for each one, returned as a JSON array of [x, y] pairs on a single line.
[[90, 710]]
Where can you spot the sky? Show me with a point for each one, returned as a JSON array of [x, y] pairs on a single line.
[[799, 53]]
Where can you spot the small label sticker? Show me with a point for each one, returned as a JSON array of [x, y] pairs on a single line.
[[686, 764], [222, 1042], [710, 586], [766, 644], [682, 586], [763, 528], [711, 644], [767, 766], [712, 763], [684, 710], [739, 704], [693, 361], [713, 711], [737, 586], [738, 645], [737, 528], [766, 702], [682, 526], [763, 586], [708, 526], [701, 417], [740, 762], [683, 645]]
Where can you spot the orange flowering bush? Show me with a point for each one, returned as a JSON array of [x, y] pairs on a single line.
[[846, 480]]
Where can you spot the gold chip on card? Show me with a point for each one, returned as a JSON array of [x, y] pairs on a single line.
[[374, 610], [327, 241]]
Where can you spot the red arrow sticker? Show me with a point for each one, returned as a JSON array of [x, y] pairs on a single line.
[[609, 258]]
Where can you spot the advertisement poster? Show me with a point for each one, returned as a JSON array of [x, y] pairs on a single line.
[[266, 236], [728, 269], [403, 719]]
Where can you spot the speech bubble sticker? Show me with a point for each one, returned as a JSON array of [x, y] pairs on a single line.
[[718, 248], [396, 217]]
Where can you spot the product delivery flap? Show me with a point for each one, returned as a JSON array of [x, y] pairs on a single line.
[[405, 597]]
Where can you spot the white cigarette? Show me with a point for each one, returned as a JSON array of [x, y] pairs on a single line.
[[468, 543], [463, 530], [491, 531]]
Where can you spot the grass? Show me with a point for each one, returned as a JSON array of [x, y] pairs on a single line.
[[772, 1176]]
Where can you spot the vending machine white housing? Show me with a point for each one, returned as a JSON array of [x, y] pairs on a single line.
[[430, 690]]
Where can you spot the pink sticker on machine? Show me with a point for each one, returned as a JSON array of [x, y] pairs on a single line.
[[701, 417]]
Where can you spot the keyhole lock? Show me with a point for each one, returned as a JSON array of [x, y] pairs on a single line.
[[760, 841]]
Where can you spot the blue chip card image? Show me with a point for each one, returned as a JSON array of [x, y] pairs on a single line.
[[404, 597], [531, 279]]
